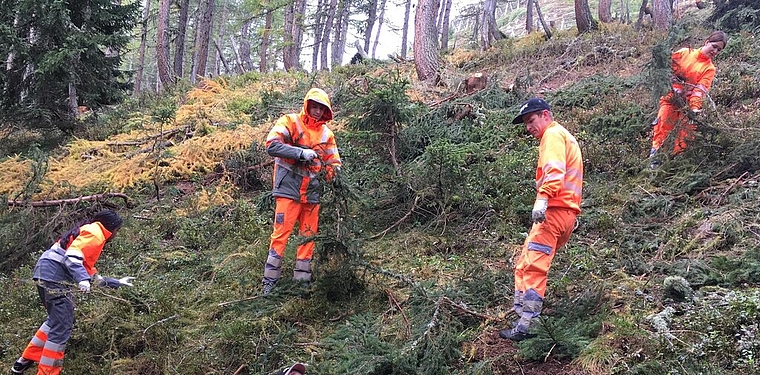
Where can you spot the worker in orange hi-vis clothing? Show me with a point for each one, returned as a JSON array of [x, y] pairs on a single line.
[[693, 74], [303, 148], [66, 266], [559, 181]]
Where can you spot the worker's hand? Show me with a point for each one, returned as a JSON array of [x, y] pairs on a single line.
[[308, 154], [84, 286], [126, 281], [539, 210]]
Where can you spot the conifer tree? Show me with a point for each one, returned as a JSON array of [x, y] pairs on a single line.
[[58, 53]]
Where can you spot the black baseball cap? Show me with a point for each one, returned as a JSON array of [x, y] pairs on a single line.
[[532, 105]]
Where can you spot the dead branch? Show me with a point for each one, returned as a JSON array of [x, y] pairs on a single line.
[[149, 138], [238, 301], [164, 320], [452, 97], [395, 302], [730, 187], [259, 166], [464, 309], [58, 202], [399, 221]]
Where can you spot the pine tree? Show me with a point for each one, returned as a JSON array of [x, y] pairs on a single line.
[[61, 54]]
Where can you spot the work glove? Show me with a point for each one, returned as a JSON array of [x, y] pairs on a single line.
[[126, 281], [308, 154], [539, 210], [84, 286]]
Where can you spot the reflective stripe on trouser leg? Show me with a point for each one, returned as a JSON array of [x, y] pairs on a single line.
[[518, 302], [33, 350], [302, 272], [273, 268], [60, 310], [52, 358], [532, 305]]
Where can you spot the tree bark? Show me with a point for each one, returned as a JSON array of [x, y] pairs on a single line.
[[662, 15], [371, 18], [219, 55], [341, 28], [605, 11], [179, 43], [379, 27], [294, 15], [445, 25], [141, 53], [329, 19], [405, 29], [426, 53], [320, 16], [583, 19], [245, 46], [265, 36], [488, 30], [529, 17], [162, 44], [547, 29], [202, 44]]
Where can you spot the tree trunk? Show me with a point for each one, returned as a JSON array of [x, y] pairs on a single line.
[[143, 39], [547, 29], [293, 34], [202, 44], [162, 44], [529, 17], [605, 11], [379, 27], [426, 54], [245, 46], [488, 30], [583, 19], [662, 15], [235, 51], [341, 28], [179, 43], [330, 18], [405, 30], [320, 16], [371, 18], [445, 25], [265, 41], [219, 55]]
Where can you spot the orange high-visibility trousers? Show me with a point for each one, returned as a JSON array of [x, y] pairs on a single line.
[[538, 251], [287, 212], [670, 116]]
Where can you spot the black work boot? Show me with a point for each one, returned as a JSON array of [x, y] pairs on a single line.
[[515, 335], [20, 366]]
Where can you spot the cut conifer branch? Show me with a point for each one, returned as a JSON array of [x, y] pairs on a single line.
[[59, 202]]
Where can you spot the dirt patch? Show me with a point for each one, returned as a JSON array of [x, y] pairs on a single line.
[[505, 359]]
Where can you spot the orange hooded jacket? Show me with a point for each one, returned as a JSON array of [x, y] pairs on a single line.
[[696, 70], [295, 178]]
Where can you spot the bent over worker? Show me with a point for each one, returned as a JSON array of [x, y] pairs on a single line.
[[303, 148], [559, 181], [67, 265], [693, 74]]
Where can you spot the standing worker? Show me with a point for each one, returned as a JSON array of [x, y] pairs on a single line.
[[68, 264], [303, 148], [559, 181], [693, 74]]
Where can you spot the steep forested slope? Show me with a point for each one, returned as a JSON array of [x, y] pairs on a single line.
[[414, 260]]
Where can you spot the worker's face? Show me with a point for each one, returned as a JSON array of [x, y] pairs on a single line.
[[712, 49], [315, 110], [535, 122]]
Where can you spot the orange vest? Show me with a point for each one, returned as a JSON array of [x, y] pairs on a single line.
[[559, 176]]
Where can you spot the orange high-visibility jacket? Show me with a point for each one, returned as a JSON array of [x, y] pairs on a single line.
[[295, 178], [697, 70], [77, 261], [559, 176]]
